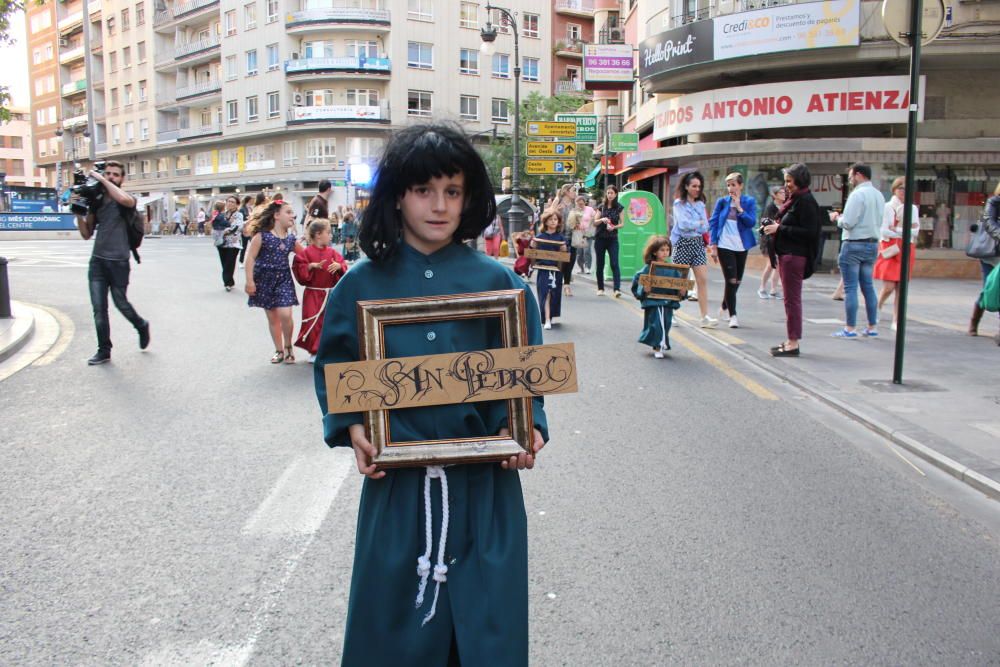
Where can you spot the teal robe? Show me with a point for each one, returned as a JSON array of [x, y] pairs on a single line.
[[658, 314], [483, 606]]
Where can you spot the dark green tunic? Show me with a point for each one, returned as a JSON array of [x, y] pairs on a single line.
[[484, 603]]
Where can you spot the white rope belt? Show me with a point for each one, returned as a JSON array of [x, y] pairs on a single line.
[[424, 561], [318, 317]]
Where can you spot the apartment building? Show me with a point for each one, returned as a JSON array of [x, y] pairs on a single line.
[[572, 27], [829, 87], [205, 97], [16, 159]]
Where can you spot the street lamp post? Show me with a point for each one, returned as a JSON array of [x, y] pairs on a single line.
[[516, 214]]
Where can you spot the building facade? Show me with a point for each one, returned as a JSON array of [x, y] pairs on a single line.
[[572, 27], [752, 87], [209, 97], [16, 159]]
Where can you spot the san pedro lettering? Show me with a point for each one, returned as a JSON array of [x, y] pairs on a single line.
[[443, 379]]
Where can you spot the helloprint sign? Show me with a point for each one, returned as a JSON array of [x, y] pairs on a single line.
[[856, 101]]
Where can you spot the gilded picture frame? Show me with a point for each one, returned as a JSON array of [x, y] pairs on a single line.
[[375, 316]]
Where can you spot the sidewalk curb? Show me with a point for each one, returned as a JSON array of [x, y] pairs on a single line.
[[18, 335], [982, 483]]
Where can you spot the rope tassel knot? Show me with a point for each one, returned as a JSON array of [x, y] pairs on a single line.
[[424, 561]]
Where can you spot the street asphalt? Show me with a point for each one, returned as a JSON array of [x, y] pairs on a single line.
[[178, 506]]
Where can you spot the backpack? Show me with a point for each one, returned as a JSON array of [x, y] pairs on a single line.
[[135, 228], [990, 298]]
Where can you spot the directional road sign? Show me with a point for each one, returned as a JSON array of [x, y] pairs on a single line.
[[586, 126], [539, 128], [551, 149], [542, 167]]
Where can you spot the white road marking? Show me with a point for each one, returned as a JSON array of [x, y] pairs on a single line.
[[993, 428], [203, 653]]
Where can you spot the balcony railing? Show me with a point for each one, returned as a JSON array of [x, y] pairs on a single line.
[[575, 6], [69, 55], [345, 113], [569, 87], [74, 87], [199, 131], [570, 48], [184, 50], [200, 88], [71, 21], [306, 17], [345, 64], [182, 8], [78, 118], [167, 136]]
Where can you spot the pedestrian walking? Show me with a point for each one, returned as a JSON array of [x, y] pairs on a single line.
[[349, 234], [109, 218], [433, 193], [585, 253], [985, 247], [658, 313], [608, 223], [861, 223], [227, 234], [550, 273], [269, 278], [796, 242], [245, 207], [319, 206], [577, 240], [522, 241], [493, 236], [201, 218], [687, 237], [770, 273], [177, 220], [889, 263], [318, 268], [731, 237]]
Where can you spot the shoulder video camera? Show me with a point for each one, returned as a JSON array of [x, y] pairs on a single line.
[[88, 189]]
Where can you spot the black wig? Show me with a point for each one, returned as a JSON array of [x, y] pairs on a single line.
[[414, 156]]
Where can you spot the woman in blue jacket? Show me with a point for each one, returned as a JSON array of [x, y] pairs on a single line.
[[731, 237]]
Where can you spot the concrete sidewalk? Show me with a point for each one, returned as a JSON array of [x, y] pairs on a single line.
[[16, 331], [947, 410]]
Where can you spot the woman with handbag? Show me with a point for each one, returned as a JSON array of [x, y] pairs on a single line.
[[985, 246], [889, 263], [493, 235]]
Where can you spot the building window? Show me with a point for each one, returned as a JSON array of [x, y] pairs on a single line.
[[273, 104], [126, 57], [469, 107], [421, 10], [36, 56], [362, 97], [252, 62], [574, 32], [230, 19], [531, 69], [113, 62], [500, 111], [501, 66], [42, 148], [289, 153], [419, 55], [127, 95], [143, 129], [418, 103], [468, 16], [41, 21], [140, 52], [499, 19], [125, 22], [250, 16], [129, 132], [140, 13], [144, 167], [130, 168], [142, 90], [272, 11], [319, 98], [321, 151], [232, 70], [113, 104], [206, 117], [232, 112], [272, 57], [362, 49], [468, 61], [111, 25], [530, 25], [17, 167], [252, 114]]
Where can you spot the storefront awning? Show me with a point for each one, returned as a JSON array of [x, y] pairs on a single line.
[[591, 179], [646, 173]]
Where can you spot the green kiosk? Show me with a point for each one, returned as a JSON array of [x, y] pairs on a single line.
[[643, 217]]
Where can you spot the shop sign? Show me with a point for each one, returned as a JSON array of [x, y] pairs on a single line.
[[622, 142], [608, 67], [813, 25], [34, 222], [855, 101], [586, 126], [688, 45]]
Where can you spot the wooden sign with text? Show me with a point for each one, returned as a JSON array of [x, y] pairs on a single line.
[[552, 255], [651, 282], [448, 379]]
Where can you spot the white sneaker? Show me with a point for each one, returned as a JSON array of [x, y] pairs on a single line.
[[723, 315], [709, 322], [734, 323], [600, 292], [657, 354], [554, 320], [763, 294], [312, 358], [548, 325]]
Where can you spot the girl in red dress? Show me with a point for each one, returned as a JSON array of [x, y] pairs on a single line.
[[318, 267]]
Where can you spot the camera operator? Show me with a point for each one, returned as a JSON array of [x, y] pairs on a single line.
[[110, 214]]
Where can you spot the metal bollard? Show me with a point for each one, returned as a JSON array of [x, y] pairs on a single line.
[[4, 290]]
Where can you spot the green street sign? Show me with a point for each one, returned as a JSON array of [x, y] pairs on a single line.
[[543, 167], [624, 142], [551, 149], [586, 126]]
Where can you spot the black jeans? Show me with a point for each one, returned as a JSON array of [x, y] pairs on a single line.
[[244, 242], [567, 267], [227, 256], [611, 245], [732, 263], [105, 275]]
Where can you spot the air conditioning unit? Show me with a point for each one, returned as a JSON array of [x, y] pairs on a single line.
[[63, 42], [616, 36], [295, 55], [298, 99]]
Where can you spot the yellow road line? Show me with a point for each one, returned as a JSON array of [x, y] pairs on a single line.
[[750, 385]]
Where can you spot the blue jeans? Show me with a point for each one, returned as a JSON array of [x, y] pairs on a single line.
[[857, 260]]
